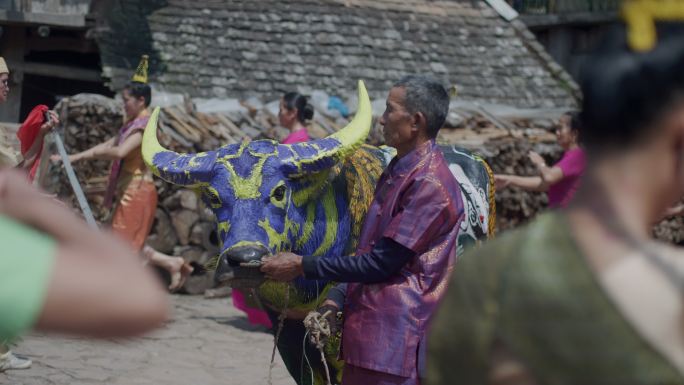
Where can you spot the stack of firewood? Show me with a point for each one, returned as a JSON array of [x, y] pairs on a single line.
[[185, 227], [510, 156]]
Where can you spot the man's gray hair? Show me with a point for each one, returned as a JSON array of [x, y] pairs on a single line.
[[426, 95]]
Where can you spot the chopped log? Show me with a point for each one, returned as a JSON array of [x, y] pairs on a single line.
[[204, 234], [163, 237], [234, 129], [183, 130], [206, 214], [172, 202], [188, 199], [182, 221], [200, 280]]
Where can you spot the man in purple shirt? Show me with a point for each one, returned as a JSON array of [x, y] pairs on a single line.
[[406, 250]]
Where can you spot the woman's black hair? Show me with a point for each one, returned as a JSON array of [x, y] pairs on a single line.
[[627, 92], [138, 90], [296, 100], [575, 121]]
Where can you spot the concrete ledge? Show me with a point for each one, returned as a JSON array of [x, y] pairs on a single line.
[[62, 20], [560, 19]]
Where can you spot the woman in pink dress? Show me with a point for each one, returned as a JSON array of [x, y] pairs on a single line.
[[294, 112], [561, 180]]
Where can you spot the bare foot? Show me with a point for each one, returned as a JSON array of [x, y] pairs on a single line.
[[178, 279], [178, 269]]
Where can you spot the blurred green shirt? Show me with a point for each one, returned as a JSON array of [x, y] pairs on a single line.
[[26, 260], [532, 292]]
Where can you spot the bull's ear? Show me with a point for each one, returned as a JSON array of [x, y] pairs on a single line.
[[323, 154], [180, 169]]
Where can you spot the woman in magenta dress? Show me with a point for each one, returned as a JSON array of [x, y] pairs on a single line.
[[561, 180], [294, 113]]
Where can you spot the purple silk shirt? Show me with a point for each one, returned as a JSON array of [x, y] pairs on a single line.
[[418, 204]]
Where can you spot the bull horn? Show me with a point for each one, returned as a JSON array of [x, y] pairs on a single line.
[[180, 169], [322, 154]]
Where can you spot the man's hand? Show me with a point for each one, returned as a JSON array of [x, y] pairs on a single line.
[[331, 308], [322, 323], [282, 267], [537, 160]]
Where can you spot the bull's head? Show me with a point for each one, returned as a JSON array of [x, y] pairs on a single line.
[[259, 190]]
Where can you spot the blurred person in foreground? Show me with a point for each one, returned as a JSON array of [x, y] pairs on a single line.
[[58, 275], [586, 295], [31, 135], [561, 180]]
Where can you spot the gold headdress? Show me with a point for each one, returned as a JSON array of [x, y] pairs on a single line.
[[640, 17], [141, 72], [3, 66]]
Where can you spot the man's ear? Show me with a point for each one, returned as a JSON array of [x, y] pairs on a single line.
[[419, 122]]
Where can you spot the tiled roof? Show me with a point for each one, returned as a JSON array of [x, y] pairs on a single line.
[[240, 48]]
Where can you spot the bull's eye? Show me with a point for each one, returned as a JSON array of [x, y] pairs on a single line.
[[279, 193], [213, 195]]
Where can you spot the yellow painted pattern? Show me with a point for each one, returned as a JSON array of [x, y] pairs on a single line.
[[331, 222], [308, 225], [361, 172], [246, 188]]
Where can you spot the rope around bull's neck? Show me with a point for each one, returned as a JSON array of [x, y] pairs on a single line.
[[316, 324]]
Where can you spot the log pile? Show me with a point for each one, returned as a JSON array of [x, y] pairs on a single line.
[[506, 153]]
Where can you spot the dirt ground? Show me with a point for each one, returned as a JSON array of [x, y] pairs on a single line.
[[206, 342]]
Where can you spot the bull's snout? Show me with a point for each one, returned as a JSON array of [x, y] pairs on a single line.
[[229, 265], [245, 254]]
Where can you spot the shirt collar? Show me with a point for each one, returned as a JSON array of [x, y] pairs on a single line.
[[400, 166]]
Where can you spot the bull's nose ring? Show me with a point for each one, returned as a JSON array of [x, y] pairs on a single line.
[[252, 264]]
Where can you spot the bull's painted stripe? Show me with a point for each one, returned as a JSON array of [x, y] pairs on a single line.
[[330, 208]]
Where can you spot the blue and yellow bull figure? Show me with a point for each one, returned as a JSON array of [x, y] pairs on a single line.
[[309, 198]]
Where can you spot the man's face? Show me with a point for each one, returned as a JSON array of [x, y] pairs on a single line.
[[4, 87], [397, 122]]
